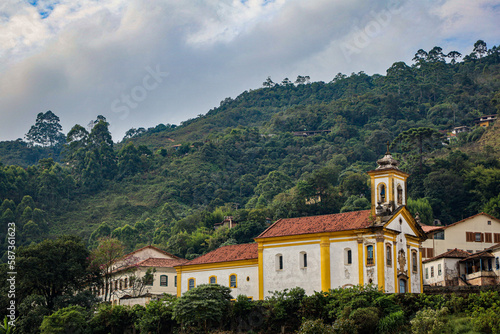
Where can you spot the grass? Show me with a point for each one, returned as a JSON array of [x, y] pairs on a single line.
[[460, 324]]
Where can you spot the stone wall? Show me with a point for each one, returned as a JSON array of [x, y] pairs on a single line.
[[459, 290]]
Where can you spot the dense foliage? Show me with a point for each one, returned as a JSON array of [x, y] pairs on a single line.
[[169, 185]]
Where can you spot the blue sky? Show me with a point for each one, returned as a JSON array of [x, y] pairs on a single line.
[[142, 62]]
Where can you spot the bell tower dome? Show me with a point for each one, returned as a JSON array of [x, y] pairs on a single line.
[[388, 186]]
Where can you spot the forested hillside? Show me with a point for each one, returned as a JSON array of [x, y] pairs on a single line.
[[169, 184]]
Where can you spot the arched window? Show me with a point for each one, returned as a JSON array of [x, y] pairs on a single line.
[[369, 255], [233, 281], [303, 259], [125, 283], [388, 255], [163, 280], [279, 262], [347, 256], [381, 193], [400, 195], [191, 283], [212, 279], [414, 261], [402, 285], [121, 284]]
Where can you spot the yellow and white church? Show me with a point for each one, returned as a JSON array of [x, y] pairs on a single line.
[[380, 246]]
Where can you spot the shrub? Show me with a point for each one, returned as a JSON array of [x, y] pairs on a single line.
[[366, 319], [113, 319], [284, 307], [344, 326], [66, 320], [429, 321], [247, 315], [487, 320], [157, 316], [206, 306], [392, 323], [315, 327]]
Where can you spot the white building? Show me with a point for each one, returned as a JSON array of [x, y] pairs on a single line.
[[378, 246], [125, 285], [235, 266], [445, 269], [473, 234]]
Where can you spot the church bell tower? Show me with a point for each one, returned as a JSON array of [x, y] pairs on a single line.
[[388, 186]]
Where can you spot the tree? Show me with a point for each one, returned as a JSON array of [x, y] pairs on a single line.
[[206, 306], [274, 183], [268, 83], [103, 258], [493, 207], [129, 161], [71, 319], [302, 79], [454, 55], [286, 82], [53, 268], [400, 75], [47, 131], [157, 318], [114, 319], [355, 203], [480, 49], [418, 141], [423, 208], [446, 193], [139, 284], [420, 58], [436, 55]]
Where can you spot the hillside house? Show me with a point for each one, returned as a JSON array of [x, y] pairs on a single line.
[[126, 287], [472, 234], [445, 269], [486, 120]]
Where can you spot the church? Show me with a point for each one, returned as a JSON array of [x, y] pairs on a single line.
[[380, 246]]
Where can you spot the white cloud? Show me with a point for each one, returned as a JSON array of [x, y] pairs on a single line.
[[87, 54]]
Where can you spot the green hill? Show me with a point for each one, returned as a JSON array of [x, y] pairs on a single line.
[[168, 185]]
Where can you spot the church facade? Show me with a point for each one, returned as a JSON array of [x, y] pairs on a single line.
[[380, 246]]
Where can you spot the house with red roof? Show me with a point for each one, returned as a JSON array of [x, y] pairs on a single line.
[[473, 234], [379, 246], [127, 286], [458, 267], [445, 269], [235, 266]]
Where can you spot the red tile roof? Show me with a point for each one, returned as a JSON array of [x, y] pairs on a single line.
[[428, 228], [317, 224], [156, 262], [480, 255], [454, 253], [153, 262], [226, 254]]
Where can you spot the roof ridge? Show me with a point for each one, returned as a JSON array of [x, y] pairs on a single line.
[[153, 247], [267, 229]]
